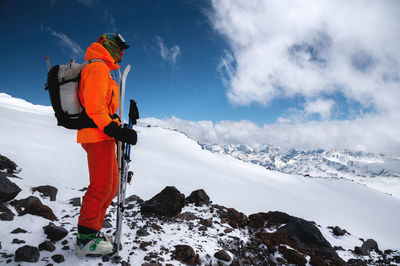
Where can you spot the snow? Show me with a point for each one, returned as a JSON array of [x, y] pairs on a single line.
[[49, 155]]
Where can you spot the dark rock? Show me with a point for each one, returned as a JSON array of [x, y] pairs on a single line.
[[222, 255], [152, 264], [142, 232], [8, 189], [47, 245], [107, 224], [65, 248], [46, 191], [169, 202], [58, 258], [18, 231], [64, 242], [17, 241], [233, 217], [185, 254], [54, 232], [105, 258], [369, 246], [235, 262], [83, 189], [359, 251], [156, 227], [34, 206], [76, 202], [198, 197], [206, 222], [5, 213], [305, 234], [257, 220], [188, 216], [337, 231], [292, 256], [133, 198], [356, 262], [27, 254], [7, 164]]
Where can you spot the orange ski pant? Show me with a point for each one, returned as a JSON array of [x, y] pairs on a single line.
[[103, 172]]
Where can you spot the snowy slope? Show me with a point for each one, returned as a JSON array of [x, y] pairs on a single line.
[[49, 155]]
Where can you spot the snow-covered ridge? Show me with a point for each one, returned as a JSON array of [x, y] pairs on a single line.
[[322, 163]]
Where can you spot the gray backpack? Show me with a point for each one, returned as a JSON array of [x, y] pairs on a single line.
[[63, 86]]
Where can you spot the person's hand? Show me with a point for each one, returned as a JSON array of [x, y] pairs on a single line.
[[126, 135]]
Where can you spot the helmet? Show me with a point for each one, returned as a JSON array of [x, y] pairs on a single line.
[[114, 44]]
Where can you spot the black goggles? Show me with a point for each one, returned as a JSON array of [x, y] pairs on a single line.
[[121, 42]]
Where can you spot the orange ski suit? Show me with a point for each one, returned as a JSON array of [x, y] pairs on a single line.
[[99, 94]]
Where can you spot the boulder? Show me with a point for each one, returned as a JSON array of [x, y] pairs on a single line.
[[133, 198], [5, 213], [19, 231], [185, 254], [233, 217], [46, 191], [54, 232], [7, 164], [47, 245], [222, 255], [8, 189], [368, 246], [27, 254], [169, 202], [198, 197], [34, 206]]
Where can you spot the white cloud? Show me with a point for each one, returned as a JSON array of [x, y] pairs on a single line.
[[168, 54], [372, 134], [322, 107], [67, 43], [311, 48]]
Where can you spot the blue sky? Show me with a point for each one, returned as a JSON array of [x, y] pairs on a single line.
[[309, 74], [188, 86]]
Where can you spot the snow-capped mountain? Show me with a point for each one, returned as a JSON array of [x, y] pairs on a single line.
[[365, 168], [49, 155]]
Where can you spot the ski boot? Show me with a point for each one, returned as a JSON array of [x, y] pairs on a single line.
[[93, 244]]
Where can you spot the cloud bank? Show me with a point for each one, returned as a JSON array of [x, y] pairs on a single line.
[[313, 49]]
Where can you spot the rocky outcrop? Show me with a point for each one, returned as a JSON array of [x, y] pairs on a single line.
[[185, 254], [5, 213], [8, 189], [198, 197], [169, 202]]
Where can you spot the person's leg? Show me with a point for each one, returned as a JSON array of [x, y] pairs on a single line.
[[115, 178], [101, 156]]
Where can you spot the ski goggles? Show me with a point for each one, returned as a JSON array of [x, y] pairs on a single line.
[[121, 42]]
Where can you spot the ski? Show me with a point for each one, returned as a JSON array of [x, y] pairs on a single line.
[[123, 156]]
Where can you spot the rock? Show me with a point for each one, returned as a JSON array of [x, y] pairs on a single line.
[[185, 254], [198, 197], [76, 202], [54, 232], [8, 189], [222, 255], [46, 191], [337, 231], [257, 220], [27, 254], [133, 198], [206, 222], [152, 264], [142, 232], [5, 213], [7, 164], [169, 202], [47, 245], [17, 241], [18, 231], [233, 217], [292, 256], [107, 223], [34, 206], [305, 234], [368, 246], [58, 258]]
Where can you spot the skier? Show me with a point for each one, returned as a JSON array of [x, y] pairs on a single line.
[[99, 95]]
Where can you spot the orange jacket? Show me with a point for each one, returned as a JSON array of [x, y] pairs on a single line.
[[98, 93]]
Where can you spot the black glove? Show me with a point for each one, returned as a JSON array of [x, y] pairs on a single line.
[[126, 135]]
